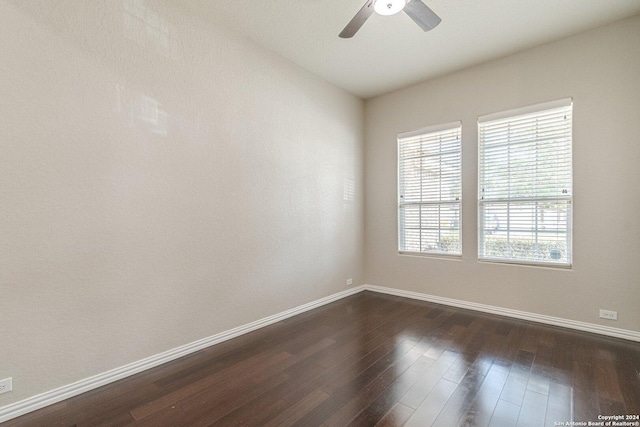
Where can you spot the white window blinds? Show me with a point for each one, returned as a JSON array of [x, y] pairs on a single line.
[[525, 185], [429, 190]]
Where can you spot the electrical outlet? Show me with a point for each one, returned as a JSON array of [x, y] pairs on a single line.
[[349, 282], [6, 385], [609, 314]]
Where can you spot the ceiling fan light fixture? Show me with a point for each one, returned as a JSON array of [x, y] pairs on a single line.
[[416, 9], [389, 7]]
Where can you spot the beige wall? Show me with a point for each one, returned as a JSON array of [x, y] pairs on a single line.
[[600, 69], [162, 180]]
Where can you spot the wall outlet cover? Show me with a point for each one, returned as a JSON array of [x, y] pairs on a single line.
[[609, 314], [6, 385]]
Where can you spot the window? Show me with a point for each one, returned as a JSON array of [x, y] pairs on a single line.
[[525, 185], [429, 190]]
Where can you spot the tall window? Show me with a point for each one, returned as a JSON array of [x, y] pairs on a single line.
[[525, 185], [429, 190]]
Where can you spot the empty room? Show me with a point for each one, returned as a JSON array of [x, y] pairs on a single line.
[[319, 213]]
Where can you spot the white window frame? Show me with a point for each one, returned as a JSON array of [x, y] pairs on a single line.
[[562, 195], [430, 132]]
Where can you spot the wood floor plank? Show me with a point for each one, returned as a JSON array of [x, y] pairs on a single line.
[[628, 375], [371, 366], [482, 382], [188, 391], [516, 384], [380, 407], [533, 409], [585, 396], [352, 361], [119, 419], [340, 392], [477, 406], [560, 405], [608, 406], [430, 408], [170, 416], [373, 359], [264, 374], [397, 416], [427, 382], [541, 370], [116, 408], [605, 375], [254, 412], [505, 414], [562, 361], [368, 394], [461, 399], [293, 413], [205, 414]]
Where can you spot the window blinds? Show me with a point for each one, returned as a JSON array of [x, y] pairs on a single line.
[[429, 190], [525, 185]]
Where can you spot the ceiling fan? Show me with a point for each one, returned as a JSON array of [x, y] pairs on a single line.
[[416, 9]]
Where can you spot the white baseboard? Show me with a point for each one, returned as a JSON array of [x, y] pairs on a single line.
[[59, 394], [533, 317], [54, 396]]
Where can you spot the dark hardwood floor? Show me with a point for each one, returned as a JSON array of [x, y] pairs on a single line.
[[375, 360]]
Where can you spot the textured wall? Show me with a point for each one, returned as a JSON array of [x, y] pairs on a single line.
[[162, 180], [599, 69]]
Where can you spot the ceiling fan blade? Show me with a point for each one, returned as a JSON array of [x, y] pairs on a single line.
[[354, 25], [422, 15]]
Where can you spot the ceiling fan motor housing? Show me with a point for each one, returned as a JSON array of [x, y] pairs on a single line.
[[389, 7]]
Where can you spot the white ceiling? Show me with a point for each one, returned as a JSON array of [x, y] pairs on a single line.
[[393, 52]]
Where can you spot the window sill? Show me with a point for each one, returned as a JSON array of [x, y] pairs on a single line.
[[548, 265], [448, 257]]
